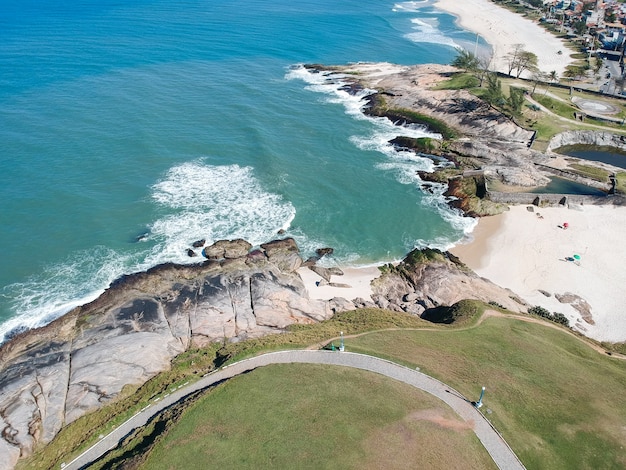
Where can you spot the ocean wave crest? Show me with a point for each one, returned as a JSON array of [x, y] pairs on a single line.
[[426, 30], [214, 203], [197, 201]]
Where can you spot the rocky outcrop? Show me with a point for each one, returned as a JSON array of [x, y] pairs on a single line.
[[53, 375], [413, 88], [427, 279]]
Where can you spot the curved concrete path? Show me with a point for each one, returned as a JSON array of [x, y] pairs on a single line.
[[499, 450]]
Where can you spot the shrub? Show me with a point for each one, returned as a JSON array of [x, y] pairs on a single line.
[[539, 311], [560, 318]]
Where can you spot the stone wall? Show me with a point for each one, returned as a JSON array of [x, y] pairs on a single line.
[[551, 199], [594, 138], [575, 177]]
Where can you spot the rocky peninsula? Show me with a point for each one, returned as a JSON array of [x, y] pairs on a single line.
[[54, 375]]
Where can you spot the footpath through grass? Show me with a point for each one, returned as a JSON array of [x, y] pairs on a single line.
[[556, 401], [313, 416]]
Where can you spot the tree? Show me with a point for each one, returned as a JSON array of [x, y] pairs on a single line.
[[609, 17], [579, 27], [538, 76], [494, 96], [485, 64], [598, 64], [467, 61], [516, 100], [513, 56], [520, 60], [526, 61], [553, 77]]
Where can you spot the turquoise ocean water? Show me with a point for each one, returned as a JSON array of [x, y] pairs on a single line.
[[130, 129]]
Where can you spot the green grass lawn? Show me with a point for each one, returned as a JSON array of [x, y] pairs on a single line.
[[312, 416], [557, 402]]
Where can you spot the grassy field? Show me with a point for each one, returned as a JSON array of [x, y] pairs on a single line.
[[557, 402], [312, 416], [192, 364]]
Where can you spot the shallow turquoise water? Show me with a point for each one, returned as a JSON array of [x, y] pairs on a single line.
[[188, 120]]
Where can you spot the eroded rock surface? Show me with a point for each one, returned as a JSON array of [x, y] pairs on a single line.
[[420, 283], [53, 375]]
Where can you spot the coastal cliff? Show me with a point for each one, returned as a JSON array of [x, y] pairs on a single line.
[[53, 375]]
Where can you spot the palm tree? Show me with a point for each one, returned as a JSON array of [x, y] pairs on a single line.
[[467, 61], [553, 77]]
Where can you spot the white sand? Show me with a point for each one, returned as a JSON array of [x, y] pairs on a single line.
[[502, 29], [527, 253], [358, 279]]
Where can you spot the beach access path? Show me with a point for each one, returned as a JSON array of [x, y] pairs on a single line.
[[493, 442]]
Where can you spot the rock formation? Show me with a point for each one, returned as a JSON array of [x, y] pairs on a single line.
[[53, 375]]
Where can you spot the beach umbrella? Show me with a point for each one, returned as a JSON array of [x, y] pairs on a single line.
[[565, 225], [577, 257]]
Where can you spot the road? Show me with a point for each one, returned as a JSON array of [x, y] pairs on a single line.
[[499, 450]]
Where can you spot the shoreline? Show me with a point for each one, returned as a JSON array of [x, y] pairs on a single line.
[[503, 29], [534, 257]]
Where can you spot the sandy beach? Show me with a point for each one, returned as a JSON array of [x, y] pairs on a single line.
[[358, 279], [502, 29], [534, 256]]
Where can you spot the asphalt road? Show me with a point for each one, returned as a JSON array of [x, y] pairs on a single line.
[[499, 450]]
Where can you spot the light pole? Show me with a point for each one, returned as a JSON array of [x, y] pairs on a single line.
[[479, 403], [341, 344]]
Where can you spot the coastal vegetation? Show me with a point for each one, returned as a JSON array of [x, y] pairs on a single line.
[[413, 117], [192, 364], [542, 396], [542, 386]]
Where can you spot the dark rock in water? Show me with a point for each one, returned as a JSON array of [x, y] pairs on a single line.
[[198, 243], [281, 231], [15, 332], [191, 253], [353, 88], [142, 237], [321, 252]]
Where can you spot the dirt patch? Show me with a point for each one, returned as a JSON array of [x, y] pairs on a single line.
[[435, 416]]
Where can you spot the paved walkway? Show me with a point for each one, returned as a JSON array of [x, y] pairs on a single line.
[[501, 453]]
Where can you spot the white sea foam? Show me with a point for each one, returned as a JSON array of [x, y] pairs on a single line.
[[198, 201], [62, 287], [411, 6], [426, 30], [404, 164], [213, 203], [330, 84]]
